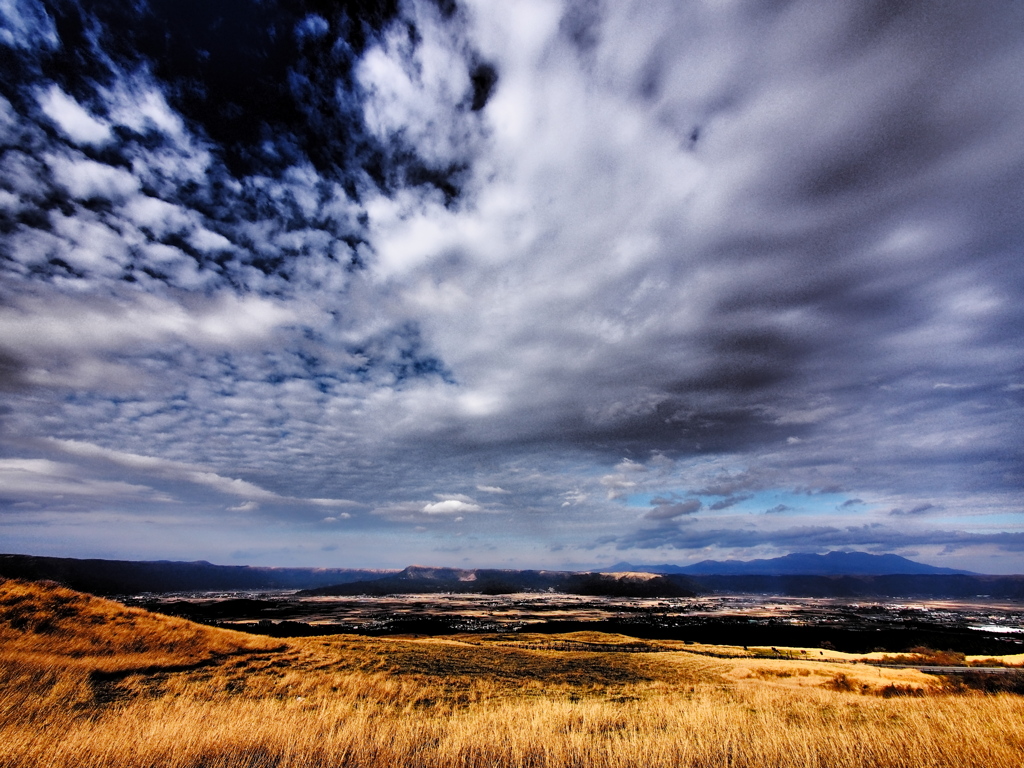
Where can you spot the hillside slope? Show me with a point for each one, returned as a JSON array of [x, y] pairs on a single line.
[[43, 623]]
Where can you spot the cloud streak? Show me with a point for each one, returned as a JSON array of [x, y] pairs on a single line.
[[180, 472]]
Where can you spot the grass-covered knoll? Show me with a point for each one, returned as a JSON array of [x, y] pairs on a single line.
[[473, 700], [50, 623]]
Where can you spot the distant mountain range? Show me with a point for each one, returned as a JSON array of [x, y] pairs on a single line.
[[837, 574], [491, 581], [626, 580], [801, 564], [122, 577]]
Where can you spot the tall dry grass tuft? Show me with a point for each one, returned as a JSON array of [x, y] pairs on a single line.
[[370, 703]]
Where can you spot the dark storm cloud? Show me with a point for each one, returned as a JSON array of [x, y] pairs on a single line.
[[670, 511], [730, 485], [725, 503], [403, 252], [920, 509]]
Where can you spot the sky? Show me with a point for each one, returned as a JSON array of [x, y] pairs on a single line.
[[528, 284]]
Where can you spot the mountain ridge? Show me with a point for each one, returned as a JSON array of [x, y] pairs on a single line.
[[493, 581], [117, 577], [833, 563], [122, 577]]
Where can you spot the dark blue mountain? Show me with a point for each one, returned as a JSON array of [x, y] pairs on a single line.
[[801, 564], [120, 577]]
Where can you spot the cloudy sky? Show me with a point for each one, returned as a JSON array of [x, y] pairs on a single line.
[[521, 284]]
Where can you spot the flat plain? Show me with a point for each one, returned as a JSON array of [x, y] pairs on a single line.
[[89, 682]]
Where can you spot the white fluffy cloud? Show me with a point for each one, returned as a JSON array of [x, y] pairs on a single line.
[[450, 507], [86, 179], [80, 126]]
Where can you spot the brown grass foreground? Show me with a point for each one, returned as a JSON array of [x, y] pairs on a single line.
[[86, 682]]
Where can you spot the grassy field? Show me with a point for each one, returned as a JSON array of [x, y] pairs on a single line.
[[88, 682]]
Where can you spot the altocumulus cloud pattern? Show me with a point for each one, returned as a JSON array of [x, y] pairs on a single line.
[[532, 283]]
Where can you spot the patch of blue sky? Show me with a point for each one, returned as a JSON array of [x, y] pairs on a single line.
[[794, 503], [760, 502]]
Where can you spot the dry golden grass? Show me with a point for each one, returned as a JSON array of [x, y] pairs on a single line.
[[60, 626], [234, 700]]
